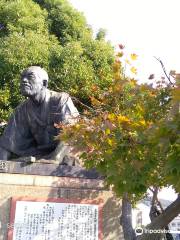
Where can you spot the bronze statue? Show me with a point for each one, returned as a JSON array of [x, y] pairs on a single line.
[[31, 129]]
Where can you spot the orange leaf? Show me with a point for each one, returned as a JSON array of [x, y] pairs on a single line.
[[95, 88], [94, 101]]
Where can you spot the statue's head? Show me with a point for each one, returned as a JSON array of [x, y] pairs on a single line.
[[34, 80]]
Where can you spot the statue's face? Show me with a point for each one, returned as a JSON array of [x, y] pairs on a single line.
[[31, 83]]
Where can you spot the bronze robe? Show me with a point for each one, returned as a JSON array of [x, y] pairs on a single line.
[[31, 130]]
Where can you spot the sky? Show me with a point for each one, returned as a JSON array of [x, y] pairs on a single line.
[[146, 27]]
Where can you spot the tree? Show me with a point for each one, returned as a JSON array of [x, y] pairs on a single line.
[[101, 34], [131, 135], [51, 34]]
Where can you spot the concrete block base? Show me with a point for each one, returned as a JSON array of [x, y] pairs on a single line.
[[19, 185]]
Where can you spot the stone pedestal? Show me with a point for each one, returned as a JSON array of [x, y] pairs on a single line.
[[71, 183]]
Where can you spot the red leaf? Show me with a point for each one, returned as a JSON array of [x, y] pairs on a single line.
[[121, 46]]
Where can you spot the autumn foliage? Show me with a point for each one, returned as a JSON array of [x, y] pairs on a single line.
[[131, 134]]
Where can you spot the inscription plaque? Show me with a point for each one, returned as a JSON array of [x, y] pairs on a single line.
[[54, 219]]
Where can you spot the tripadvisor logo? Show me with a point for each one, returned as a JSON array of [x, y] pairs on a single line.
[[139, 231]]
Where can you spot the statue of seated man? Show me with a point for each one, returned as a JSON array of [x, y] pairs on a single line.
[[31, 129]]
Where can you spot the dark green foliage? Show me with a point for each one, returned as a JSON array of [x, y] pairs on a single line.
[[101, 34], [51, 34], [66, 23]]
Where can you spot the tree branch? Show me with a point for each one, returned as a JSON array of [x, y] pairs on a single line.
[[164, 70], [161, 221], [84, 105]]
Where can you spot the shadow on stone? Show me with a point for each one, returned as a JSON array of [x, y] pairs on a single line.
[[75, 171]]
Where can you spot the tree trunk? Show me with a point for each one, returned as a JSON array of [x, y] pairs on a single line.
[[126, 219]]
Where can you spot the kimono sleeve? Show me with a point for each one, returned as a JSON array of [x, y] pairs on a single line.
[[17, 137]]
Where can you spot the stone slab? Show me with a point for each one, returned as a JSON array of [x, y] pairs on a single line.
[[50, 181], [43, 169]]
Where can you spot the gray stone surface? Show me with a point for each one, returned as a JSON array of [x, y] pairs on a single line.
[[30, 130], [48, 169]]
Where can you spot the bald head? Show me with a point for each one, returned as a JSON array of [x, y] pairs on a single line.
[[40, 72], [34, 81]]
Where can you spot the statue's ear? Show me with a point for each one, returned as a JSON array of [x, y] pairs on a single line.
[[45, 83]]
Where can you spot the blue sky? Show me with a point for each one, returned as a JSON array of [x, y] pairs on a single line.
[[146, 27]]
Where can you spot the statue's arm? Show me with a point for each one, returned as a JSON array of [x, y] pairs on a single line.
[[69, 115]]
